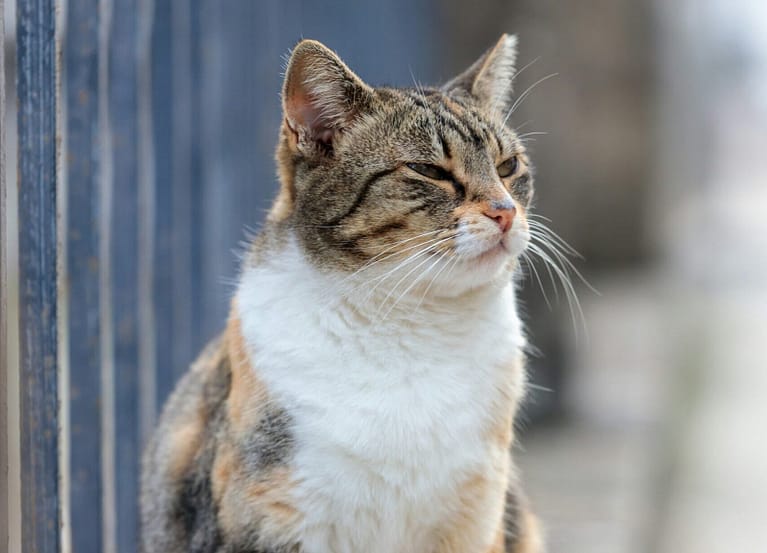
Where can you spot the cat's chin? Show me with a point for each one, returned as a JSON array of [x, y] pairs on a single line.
[[492, 256], [492, 266]]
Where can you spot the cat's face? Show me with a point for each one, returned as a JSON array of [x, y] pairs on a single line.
[[427, 183]]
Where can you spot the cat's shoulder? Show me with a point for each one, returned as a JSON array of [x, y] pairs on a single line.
[[219, 460]]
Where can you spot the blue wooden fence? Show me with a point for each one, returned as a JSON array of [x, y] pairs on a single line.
[[168, 116], [38, 283], [84, 272]]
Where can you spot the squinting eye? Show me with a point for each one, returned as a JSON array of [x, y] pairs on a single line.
[[429, 171], [508, 167]]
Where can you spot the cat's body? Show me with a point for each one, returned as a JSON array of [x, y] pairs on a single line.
[[360, 400]]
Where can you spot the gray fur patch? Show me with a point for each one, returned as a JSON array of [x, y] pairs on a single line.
[[271, 442]]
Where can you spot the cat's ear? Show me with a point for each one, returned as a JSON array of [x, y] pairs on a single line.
[[321, 96], [489, 79]]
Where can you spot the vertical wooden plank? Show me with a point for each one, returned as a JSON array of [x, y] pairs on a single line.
[[184, 135], [145, 160], [38, 275], [123, 115], [176, 174], [240, 99], [200, 336], [3, 307], [83, 273], [162, 252]]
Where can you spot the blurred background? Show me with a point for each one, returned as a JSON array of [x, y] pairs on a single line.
[[645, 428]]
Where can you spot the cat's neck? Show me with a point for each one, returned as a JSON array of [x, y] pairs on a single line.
[[283, 273], [308, 336]]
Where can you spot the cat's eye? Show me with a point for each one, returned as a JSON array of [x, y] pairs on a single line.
[[508, 167], [430, 171]]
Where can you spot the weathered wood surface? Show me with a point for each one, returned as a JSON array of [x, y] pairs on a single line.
[[38, 275], [124, 221], [83, 165], [4, 443]]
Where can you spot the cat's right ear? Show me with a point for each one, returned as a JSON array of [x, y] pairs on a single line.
[[489, 79], [321, 97]]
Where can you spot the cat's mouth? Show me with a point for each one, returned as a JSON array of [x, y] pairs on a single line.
[[493, 253], [490, 258]]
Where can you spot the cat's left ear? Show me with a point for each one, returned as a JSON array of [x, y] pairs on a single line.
[[489, 79], [321, 96]]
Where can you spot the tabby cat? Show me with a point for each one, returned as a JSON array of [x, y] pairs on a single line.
[[362, 396]]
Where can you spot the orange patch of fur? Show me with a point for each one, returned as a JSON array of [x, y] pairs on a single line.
[[531, 540], [481, 500], [221, 474], [184, 443], [453, 106], [265, 498], [272, 493], [283, 205], [502, 432], [500, 542], [247, 393]]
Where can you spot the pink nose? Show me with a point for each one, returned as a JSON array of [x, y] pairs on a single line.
[[502, 213]]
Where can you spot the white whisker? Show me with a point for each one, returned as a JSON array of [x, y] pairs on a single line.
[[434, 278], [412, 284], [529, 64], [409, 259], [532, 133], [567, 264], [567, 286], [540, 226], [410, 272], [377, 258], [534, 271], [524, 95]]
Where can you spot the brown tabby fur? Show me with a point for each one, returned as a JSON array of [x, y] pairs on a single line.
[[217, 475]]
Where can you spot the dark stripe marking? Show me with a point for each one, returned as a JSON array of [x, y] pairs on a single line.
[[461, 126], [377, 231], [416, 97], [445, 146], [458, 187], [512, 516], [445, 122], [361, 196]]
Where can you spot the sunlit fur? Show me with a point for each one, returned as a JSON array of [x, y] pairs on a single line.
[[363, 396]]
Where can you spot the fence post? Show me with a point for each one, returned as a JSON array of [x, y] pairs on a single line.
[[124, 262], [162, 93], [83, 271], [3, 308], [38, 276]]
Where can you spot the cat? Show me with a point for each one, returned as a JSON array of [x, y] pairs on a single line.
[[362, 396]]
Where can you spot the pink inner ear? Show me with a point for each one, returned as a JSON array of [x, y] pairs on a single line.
[[307, 115]]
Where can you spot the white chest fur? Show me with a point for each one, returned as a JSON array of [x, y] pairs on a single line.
[[388, 416]]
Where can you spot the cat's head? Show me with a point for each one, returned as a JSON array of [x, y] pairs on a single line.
[[428, 182]]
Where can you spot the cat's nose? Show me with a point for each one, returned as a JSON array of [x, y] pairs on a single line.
[[502, 212]]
